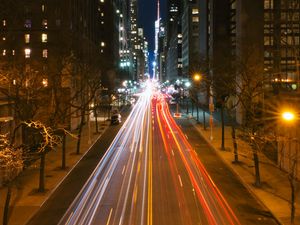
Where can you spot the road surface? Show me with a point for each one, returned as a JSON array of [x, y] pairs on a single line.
[[150, 175]]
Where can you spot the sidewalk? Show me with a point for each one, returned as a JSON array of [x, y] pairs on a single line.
[[275, 190], [25, 200]]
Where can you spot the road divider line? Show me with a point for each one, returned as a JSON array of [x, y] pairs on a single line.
[[123, 169], [180, 181], [109, 216], [149, 215]]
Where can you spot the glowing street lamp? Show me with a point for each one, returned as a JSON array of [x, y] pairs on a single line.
[[187, 84], [197, 77], [288, 116]]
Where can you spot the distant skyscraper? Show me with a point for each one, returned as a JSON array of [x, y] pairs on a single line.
[[157, 24], [173, 52]]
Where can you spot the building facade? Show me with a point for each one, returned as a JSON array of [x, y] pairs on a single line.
[[173, 51], [52, 42], [190, 37]]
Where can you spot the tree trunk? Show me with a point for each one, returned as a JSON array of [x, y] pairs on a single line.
[[96, 119], [79, 132], [187, 106], [256, 165], [293, 188], [204, 123], [63, 160], [192, 108], [6, 206], [197, 112], [235, 149], [223, 128], [42, 173], [293, 207]]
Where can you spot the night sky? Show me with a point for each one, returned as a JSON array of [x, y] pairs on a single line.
[[147, 16]]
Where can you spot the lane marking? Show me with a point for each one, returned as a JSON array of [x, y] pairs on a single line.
[[123, 169], [69, 217], [186, 136], [149, 212], [109, 217], [180, 181]]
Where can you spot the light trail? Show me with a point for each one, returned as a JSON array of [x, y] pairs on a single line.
[[214, 205], [118, 172], [123, 187]]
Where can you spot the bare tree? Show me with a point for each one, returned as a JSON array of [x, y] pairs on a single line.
[[11, 165], [250, 82], [46, 140]]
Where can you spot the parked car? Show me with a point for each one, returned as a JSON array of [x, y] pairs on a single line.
[[116, 118]]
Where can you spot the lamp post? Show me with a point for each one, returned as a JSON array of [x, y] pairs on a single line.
[[211, 110], [197, 78], [187, 85], [289, 118]]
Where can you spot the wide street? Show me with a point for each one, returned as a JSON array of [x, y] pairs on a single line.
[[153, 173]]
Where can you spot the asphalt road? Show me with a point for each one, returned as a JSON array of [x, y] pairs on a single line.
[[58, 203], [152, 173], [119, 191], [246, 207]]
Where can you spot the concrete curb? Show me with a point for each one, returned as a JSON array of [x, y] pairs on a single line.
[[237, 174]]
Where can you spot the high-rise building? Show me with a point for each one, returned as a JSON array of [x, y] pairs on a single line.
[[136, 43], [47, 43], [173, 51], [123, 53], [161, 58], [141, 54], [281, 40], [156, 33], [190, 37]]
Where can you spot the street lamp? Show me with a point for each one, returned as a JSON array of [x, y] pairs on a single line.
[[187, 84], [288, 116], [197, 77]]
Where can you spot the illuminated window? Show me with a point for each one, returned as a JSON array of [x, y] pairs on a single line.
[[4, 38], [102, 1], [45, 23], [43, 8], [45, 82], [4, 52], [195, 19], [102, 44], [27, 52], [195, 11], [44, 38], [13, 52], [4, 22], [27, 38], [45, 53]]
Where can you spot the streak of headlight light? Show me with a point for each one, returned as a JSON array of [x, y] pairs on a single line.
[[106, 156]]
